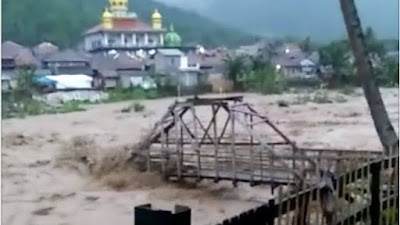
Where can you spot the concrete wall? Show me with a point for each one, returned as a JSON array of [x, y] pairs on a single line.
[[110, 83], [125, 39], [166, 63], [188, 79], [125, 76], [93, 41]]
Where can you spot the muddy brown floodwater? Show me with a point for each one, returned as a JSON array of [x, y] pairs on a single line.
[[41, 187]]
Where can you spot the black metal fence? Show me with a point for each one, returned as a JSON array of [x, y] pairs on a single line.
[[365, 195]]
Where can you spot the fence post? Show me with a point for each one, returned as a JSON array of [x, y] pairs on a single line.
[[272, 212], [375, 193]]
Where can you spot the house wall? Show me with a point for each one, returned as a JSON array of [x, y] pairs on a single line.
[[299, 72], [7, 63], [123, 39], [110, 83], [166, 63], [125, 76], [93, 41], [72, 70], [188, 79]]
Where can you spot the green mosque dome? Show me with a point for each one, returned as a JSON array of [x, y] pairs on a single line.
[[172, 39]]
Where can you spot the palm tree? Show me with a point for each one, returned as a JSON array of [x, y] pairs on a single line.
[[383, 126]]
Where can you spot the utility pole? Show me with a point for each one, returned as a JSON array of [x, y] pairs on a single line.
[[383, 126]]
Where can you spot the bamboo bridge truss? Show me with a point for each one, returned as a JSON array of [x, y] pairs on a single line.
[[227, 139]]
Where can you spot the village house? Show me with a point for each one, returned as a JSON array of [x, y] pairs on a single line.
[[121, 69], [14, 56], [261, 48], [68, 62], [294, 63], [173, 65], [44, 50], [210, 62]]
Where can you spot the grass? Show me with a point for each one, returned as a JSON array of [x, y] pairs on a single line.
[[120, 94], [32, 107], [347, 90]]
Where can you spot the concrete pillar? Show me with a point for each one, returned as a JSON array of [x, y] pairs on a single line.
[[134, 43], [146, 39], [88, 44], [105, 40], [123, 40], [161, 40]]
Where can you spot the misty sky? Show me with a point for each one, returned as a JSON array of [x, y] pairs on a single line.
[[321, 19]]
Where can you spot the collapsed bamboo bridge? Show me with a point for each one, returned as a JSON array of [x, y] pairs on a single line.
[[227, 139]]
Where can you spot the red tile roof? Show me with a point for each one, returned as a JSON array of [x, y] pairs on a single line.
[[124, 25]]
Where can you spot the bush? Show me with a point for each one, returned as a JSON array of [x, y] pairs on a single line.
[[71, 106], [121, 94], [137, 107], [347, 90], [339, 99], [321, 96], [265, 80], [304, 82], [390, 216]]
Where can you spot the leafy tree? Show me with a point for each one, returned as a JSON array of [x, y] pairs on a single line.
[[263, 77], [257, 62], [373, 44], [305, 45], [26, 85], [234, 68], [337, 55], [62, 22], [391, 71]]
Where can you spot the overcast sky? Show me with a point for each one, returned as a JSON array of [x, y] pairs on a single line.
[[321, 19]]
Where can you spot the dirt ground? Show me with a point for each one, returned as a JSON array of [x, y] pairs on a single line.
[[38, 190]]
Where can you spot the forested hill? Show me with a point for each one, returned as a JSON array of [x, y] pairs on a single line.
[[62, 22]]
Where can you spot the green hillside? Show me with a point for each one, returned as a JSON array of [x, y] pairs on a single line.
[[62, 22]]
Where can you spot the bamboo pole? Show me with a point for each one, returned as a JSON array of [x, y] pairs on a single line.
[[280, 197], [287, 214], [369, 190], [252, 151], [296, 210], [196, 144], [163, 152], [396, 182], [318, 193], [233, 147], [178, 145], [215, 136]]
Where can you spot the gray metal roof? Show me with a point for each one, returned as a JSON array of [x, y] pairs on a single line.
[[120, 61], [67, 56], [170, 52], [26, 57], [45, 49], [9, 50]]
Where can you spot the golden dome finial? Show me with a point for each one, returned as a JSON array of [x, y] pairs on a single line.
[[106, 13], [156, 19], [156, 14], [118, 5], [107, 19]]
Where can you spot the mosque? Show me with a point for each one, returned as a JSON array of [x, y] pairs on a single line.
[[121, 30]]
